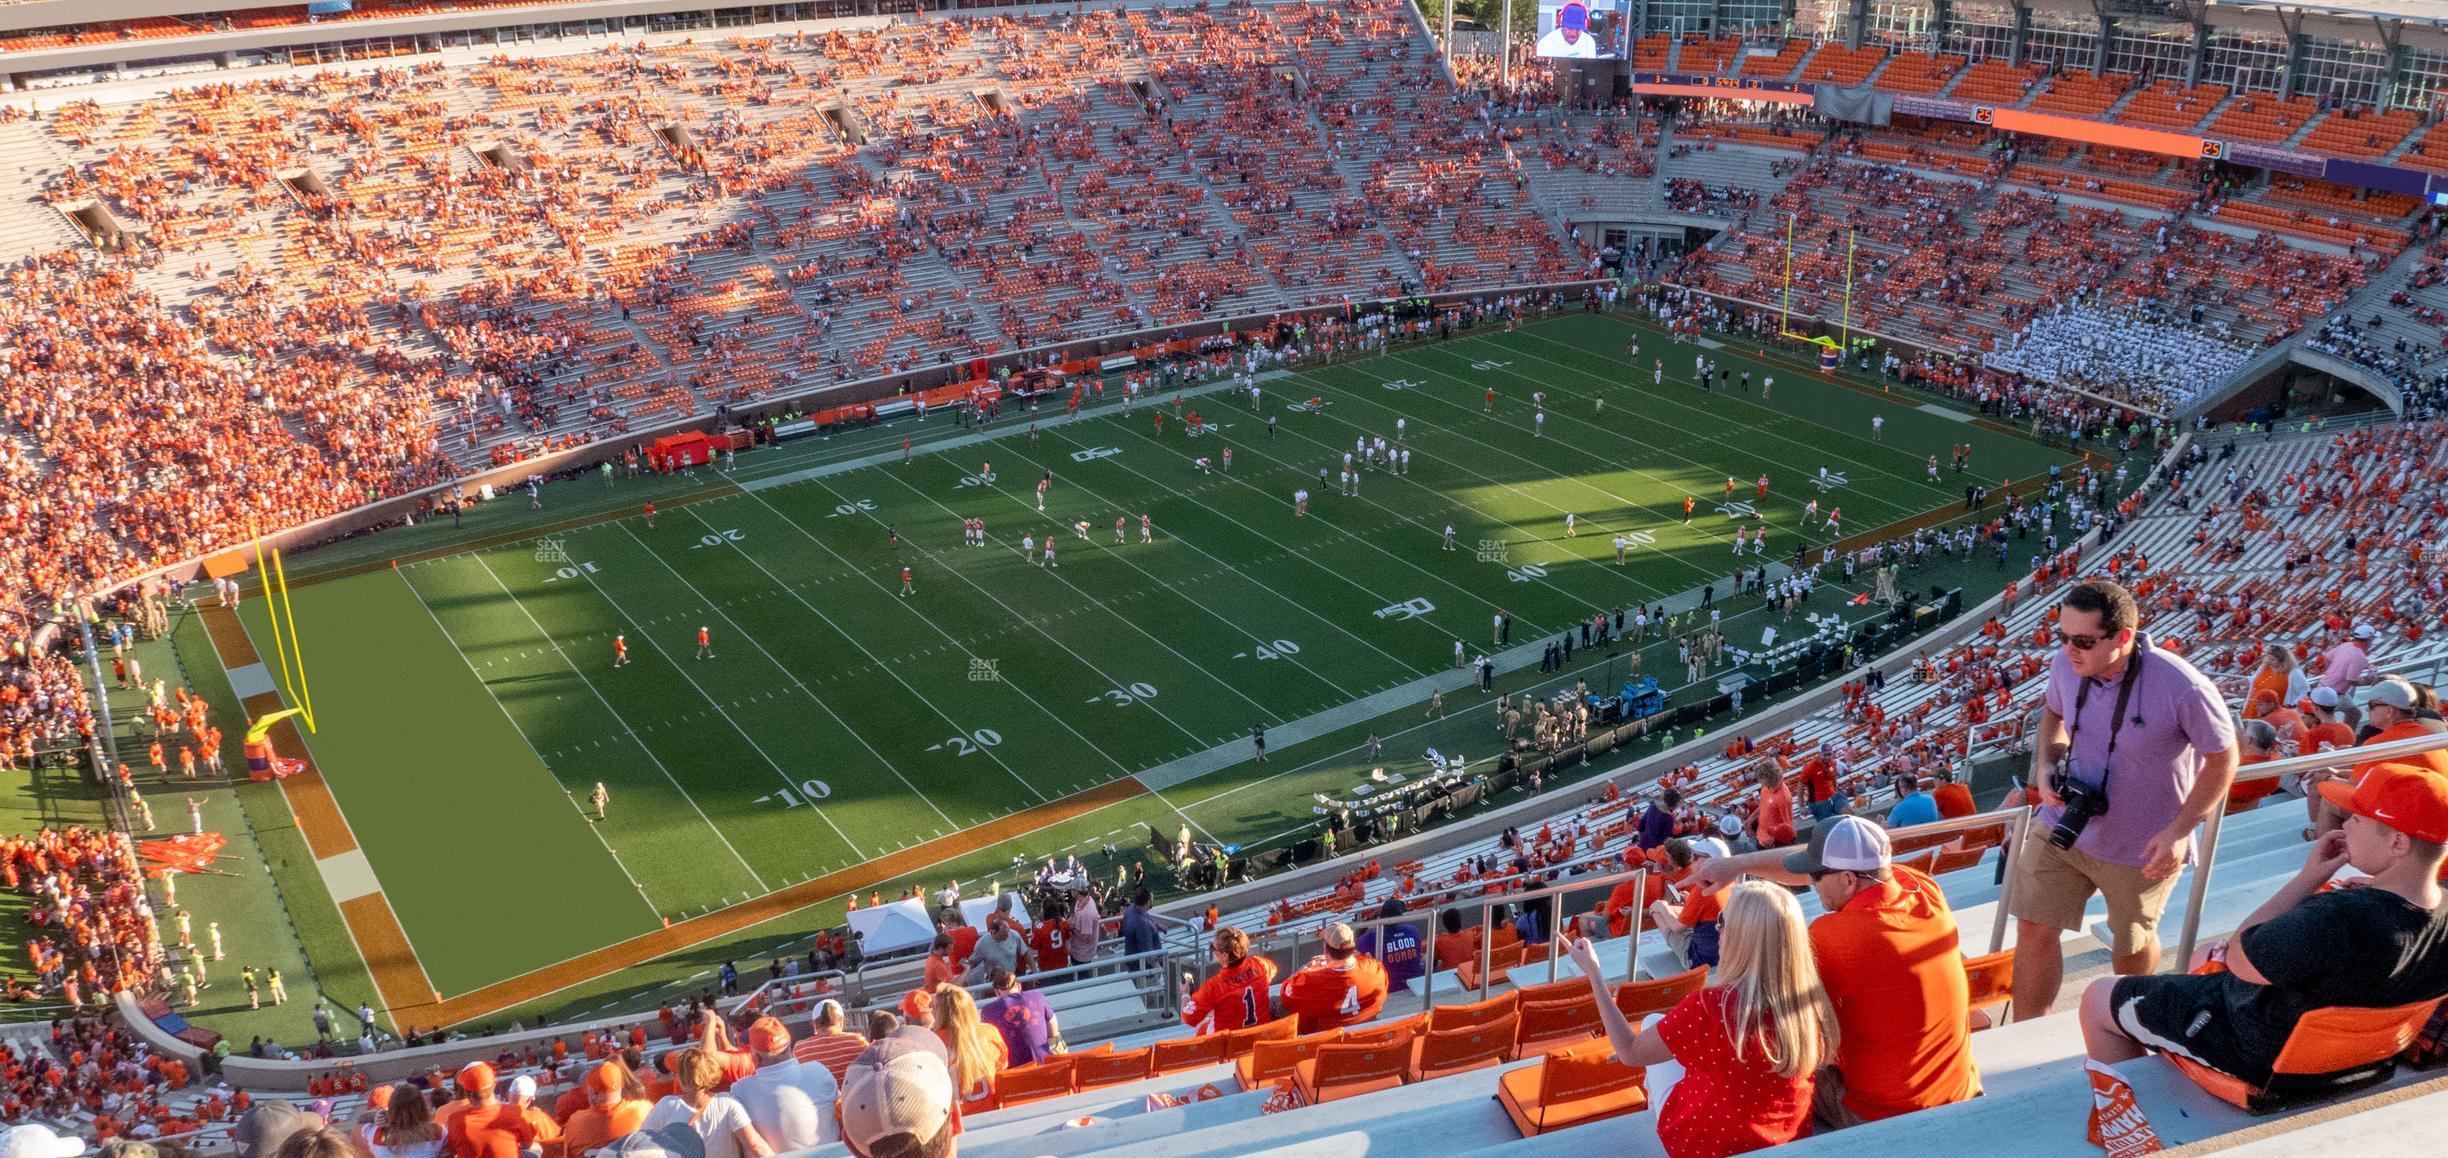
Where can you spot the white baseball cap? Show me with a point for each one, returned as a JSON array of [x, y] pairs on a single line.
[[2364, 631], [909, 1094], [523, 1086], [2324, 697], [1847, 844], [2393, 691], [1710, 846], [34, 1140]]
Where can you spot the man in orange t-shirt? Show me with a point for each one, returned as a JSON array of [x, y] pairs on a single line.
[[1455, 944], [487, 1128], [2322, 728], [2389, 707], [1892, 964], [1953, 798], [1341, 986], [548, 1132], [609, 1115]]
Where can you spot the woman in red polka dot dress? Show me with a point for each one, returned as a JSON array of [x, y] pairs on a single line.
[[1731, 1067]]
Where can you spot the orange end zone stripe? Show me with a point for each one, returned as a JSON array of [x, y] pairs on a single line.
[[646, 947], [229, 638], [384, 945]]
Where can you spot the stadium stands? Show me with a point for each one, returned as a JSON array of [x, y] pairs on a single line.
[[389, 280], [455, 269], [1969, 269]]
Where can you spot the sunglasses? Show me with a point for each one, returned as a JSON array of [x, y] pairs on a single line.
[[2080, 642]]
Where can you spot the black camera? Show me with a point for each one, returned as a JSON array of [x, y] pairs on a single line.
[[2084, 803]]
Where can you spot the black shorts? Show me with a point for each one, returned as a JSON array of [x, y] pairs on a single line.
[[2185, 1014]]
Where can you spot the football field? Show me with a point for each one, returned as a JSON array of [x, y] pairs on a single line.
[[841, 733]]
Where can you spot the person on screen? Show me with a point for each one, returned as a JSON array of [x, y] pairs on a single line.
[[1571, 36]]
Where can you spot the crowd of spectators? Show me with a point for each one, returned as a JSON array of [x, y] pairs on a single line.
[[94, 926], [383, 279], [2128, 355], [89, 1073]]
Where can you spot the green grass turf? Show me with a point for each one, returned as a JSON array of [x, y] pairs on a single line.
[[466, 702]]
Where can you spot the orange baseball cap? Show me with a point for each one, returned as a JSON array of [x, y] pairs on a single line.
[[476, 1076], [379, 1097], [608, 1077], [768, 1035], [2407, 798]]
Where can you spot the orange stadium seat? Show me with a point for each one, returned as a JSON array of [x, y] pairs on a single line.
[[1272, 1061], [1348, 1070], [2332, 1051], [1386, 1031], [1639, 999], [1109, 1069], [1991, 980], [1547, 1025], [1238, 1043], [1465, 1047], [1037, 1081], [1187, 1053], [1571, 1087], [1451, 1017]]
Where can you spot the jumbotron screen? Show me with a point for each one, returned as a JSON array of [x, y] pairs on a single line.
[[1581, 29]]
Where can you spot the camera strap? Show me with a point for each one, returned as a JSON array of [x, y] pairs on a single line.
[[2116, 724]]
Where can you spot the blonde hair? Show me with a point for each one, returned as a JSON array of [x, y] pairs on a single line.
[[2279, 658], [696, 1070], [973, 1054], [1764, 961]]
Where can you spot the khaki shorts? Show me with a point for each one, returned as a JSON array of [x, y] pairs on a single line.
[[2052, 885]]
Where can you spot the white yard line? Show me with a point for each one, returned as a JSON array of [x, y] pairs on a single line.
[[1649, 592], [1747, 402], [522, 734], [793, 676], [1125, 620], [615, 712], [1253, 581], [1346, 532]]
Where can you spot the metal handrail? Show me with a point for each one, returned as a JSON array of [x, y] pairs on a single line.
[[1432, 917], [2270, 770], [1268, 938], [2017, 820]]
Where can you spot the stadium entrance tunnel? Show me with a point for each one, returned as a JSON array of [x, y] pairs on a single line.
[[99, 226], [677, 136], [846, 124], [504, 158], [2293, 381], [306, 185]]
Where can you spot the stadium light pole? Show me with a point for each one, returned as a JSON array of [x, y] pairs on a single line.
[[1504, 48]]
